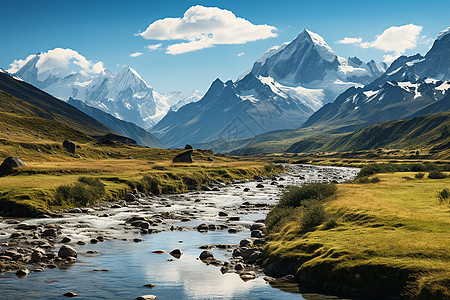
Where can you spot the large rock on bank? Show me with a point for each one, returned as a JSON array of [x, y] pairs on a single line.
[[185, 157], [9, 164]]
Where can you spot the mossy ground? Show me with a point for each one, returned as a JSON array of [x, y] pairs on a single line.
[[30, 189], [393, 237]]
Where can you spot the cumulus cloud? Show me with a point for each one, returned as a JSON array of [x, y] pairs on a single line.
[[59, 61], [395, 39], [135, 54], [203, 27], [240, 54], [349, 40], [154, 47]]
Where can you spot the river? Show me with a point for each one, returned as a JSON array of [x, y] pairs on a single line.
[[129, 264]]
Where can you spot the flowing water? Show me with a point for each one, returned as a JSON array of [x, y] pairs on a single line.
[[130, 265]]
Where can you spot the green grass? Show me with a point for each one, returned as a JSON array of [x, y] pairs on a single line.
[[34, 189], [390, 238]]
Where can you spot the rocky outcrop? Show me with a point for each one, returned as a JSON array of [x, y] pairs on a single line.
[[185, 157], [9, 164]]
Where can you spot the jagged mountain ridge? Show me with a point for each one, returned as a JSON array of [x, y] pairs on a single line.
[[124, 94], [284, 87], [408, 85]]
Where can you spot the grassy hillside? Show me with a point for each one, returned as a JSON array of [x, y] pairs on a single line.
[[22, 98], [385, 238], [425, 132]]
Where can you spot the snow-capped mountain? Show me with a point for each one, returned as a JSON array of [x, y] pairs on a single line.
[[124, 94], [408, 86], [309, 62], [283, 88]]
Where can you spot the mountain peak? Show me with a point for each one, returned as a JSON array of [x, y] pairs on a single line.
[[319, 43]]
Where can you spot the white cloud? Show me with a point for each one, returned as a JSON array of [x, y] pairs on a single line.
[[60, 61], [19, 63], [153, 47], [240, 54], [395, 39], [203, 27], [135, 54], [349, 40]]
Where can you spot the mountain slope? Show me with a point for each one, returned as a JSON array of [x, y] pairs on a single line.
[[140, 135], [231, 110], [430, 131], [35, 102]]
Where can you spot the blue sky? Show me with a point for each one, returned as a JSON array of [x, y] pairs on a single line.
[[106, 31]]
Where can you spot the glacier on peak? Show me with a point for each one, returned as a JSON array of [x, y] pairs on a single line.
[[124, 94]]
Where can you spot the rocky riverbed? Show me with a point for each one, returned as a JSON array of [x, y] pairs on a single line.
[[231, 213]]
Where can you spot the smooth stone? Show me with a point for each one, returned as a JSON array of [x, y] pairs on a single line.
[[176, 253], [66, 251], [70, 294], [206, 254], [149, 285], [146, 297], [22, 273]]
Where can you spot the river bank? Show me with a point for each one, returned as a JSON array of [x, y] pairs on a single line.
[[388, 238], [227, 210]]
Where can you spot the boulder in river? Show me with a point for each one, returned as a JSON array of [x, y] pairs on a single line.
[[185, 157], [176, 253], [206, 254], [70, 146], [66, 251], [9, 164]]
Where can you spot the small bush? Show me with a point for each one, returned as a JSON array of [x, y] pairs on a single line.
[[86, 191], [436, 175], [366, 179], [444, 195], [310, 191], [278, 215], [150, 185], [314, 214], [330, 223], [419, 175]]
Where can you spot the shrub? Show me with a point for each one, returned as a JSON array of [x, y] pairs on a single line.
[[443, 195], [330, 223], [436, 175], [279, 215], [419, 175], [295, 195], [366, 179], [150, 185], [313, 215], [86, 191]]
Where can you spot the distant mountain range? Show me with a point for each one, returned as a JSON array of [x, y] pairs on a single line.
[[297, 96], [32, 111], [124, 94], [411, 87], [283, 88]]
